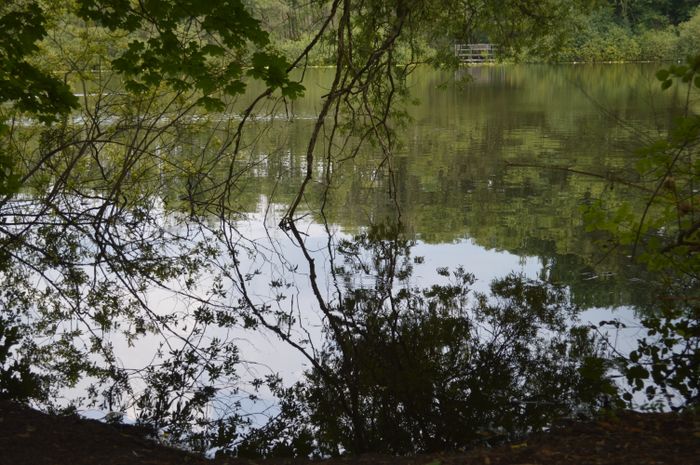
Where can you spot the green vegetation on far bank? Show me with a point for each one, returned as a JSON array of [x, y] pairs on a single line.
[[627, 31], [608, 31]]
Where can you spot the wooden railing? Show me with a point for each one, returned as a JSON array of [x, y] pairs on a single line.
[[475, 53]]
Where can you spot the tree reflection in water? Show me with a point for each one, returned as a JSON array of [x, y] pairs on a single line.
[[406, 369]]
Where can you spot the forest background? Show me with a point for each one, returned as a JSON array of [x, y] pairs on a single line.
[[606, 31]]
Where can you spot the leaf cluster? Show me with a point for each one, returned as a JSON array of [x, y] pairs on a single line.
[[686, 73], [27, 87], [18, 382], [191, 45]]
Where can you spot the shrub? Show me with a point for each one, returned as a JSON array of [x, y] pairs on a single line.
[[17, 381], [659, 44], [689, 35]]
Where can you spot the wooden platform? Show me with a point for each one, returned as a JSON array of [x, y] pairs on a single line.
[[476, 53]]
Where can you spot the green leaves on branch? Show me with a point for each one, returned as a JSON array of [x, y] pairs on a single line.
[[661, 225], [23, 85], [662, 229], [686, 73], [272, 70], [29, 88], [186, 45], [191, 45]]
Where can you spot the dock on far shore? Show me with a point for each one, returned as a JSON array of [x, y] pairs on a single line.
[[476, 53]]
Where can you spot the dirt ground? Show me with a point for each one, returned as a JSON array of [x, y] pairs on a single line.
[[28, 437]]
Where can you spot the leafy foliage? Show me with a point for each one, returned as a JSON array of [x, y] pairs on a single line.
[[191, 45], [408, 370], [18, 381], [664, 234], [179, 393], [627, 31], [26, 87], [129, 197], [689, 35]]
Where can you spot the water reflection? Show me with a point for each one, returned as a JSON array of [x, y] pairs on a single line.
[[405, 368], [194, 225], [471, 164]]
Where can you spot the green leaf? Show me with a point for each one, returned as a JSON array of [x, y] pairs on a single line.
[[662, 74], [293, 90], [211, 103], [637, 373], [235, 88], [679, 70]]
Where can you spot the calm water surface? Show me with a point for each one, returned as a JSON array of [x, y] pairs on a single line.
[[484, 169], [487, 175]]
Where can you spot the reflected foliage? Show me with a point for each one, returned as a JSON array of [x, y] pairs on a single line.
[[406, 370], [82, 233], [18, 381], [461, 168]]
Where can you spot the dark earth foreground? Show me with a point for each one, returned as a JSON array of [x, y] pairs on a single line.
[[33, 438]]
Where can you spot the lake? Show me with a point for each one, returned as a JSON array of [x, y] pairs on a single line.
[[489, 169], [499, 159]]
